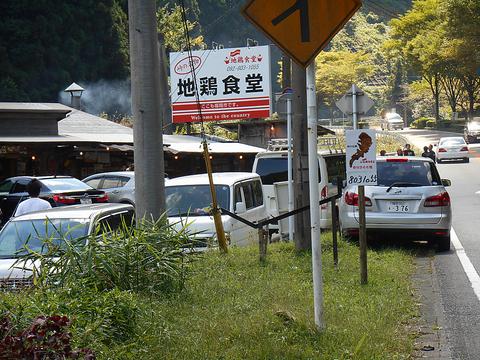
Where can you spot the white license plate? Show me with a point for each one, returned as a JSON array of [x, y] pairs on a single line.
[[398, 207], [85, 201]]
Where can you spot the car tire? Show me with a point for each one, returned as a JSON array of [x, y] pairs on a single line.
[[439, 161], [467, 160], [443, 243]]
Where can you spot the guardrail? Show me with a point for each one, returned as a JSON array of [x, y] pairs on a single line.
[[262, 226]]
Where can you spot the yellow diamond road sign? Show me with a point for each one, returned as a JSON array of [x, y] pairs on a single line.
[[302, 28]]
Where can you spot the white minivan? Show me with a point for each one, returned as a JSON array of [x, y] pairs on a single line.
[[188, 201], [272, 166]]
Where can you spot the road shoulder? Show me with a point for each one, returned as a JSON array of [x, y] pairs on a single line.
[[431, 341]]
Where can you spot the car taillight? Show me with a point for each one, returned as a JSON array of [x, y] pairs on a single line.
[[442, 150], [442, 199], [324, 192], [351, 198], [464, 148], [62, 199], [103, 198]]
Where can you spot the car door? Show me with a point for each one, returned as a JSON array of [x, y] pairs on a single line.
[[5, 187], [17, 194], [111, 185]]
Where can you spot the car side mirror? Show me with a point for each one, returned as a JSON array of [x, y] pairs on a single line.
[[240, 208], [446, 182]]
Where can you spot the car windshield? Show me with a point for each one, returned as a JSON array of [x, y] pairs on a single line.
[[65, 184], [32, 233], [452, 141], [194, 200], [408, 173]]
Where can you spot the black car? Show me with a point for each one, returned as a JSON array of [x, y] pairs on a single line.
[[57, 190]]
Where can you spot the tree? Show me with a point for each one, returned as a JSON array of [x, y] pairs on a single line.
[[337, 71]]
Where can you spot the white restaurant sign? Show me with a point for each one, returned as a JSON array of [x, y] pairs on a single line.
[[361, 156], [233, 84]]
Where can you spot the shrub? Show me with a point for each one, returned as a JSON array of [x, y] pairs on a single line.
[[430, 123], [149, 259], [420, 123]]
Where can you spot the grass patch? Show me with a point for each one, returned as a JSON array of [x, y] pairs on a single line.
[[231, 305]]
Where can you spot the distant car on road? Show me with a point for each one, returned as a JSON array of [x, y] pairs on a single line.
[[119, 185], [72, 222], [392, 121], [452, 148], [472, 132], [410, 199], [57, 190]]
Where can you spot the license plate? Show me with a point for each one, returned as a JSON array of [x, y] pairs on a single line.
[[478, 137], [85, 201], [398, 207]]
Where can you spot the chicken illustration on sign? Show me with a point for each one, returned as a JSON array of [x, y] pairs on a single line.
[[364, 143], [361, 156]]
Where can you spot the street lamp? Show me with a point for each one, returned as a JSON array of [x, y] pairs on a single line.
[[75, 91]]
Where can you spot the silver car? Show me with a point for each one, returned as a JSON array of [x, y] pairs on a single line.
[[452, 148], [119, 185], [70, 222], [410, 199]]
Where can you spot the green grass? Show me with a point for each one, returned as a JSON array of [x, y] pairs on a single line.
[[228, 310]]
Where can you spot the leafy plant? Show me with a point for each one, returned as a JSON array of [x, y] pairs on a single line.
[[46, 338]]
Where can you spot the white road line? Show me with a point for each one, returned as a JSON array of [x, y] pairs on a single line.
[[466, 263]]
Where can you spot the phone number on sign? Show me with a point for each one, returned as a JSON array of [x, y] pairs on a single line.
[[362, 179]]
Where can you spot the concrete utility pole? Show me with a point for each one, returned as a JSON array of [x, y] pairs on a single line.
[[147, 126], [164, 91], [300, 158]]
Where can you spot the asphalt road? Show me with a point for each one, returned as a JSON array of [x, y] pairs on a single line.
[[457, 272]]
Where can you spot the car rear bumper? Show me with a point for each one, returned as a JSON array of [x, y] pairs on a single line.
[[386, 222], [452, 155]]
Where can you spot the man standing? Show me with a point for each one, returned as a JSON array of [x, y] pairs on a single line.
[[34, 203], [408, 151]]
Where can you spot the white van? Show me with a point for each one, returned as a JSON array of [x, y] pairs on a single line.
[[188, 200], [272, 166]]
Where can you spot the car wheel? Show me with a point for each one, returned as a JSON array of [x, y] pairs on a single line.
[[443, 243], [439, 161], [467, 160]]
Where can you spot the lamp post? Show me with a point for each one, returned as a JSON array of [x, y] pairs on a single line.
[[75, 91]]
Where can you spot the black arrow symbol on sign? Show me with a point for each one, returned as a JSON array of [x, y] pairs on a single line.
[[302, 6]]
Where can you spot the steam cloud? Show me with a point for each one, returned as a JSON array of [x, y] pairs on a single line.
[[112, 97]]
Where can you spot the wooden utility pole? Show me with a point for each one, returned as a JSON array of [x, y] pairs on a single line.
[[300, 158], [147, 126], [166, 109]]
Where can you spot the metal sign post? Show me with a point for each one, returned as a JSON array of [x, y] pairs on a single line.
[[314, 197], [286, 97]]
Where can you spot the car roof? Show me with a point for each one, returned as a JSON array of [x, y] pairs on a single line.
[[399, 158], [75, 211], [221, 178], [276, 153], [451, 137], [130, 174], [14, 178]]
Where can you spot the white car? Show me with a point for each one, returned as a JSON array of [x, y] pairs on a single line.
[[70, 222], [452, 148], [392, 121], [410, 199], [119, 185], [188, 201]]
